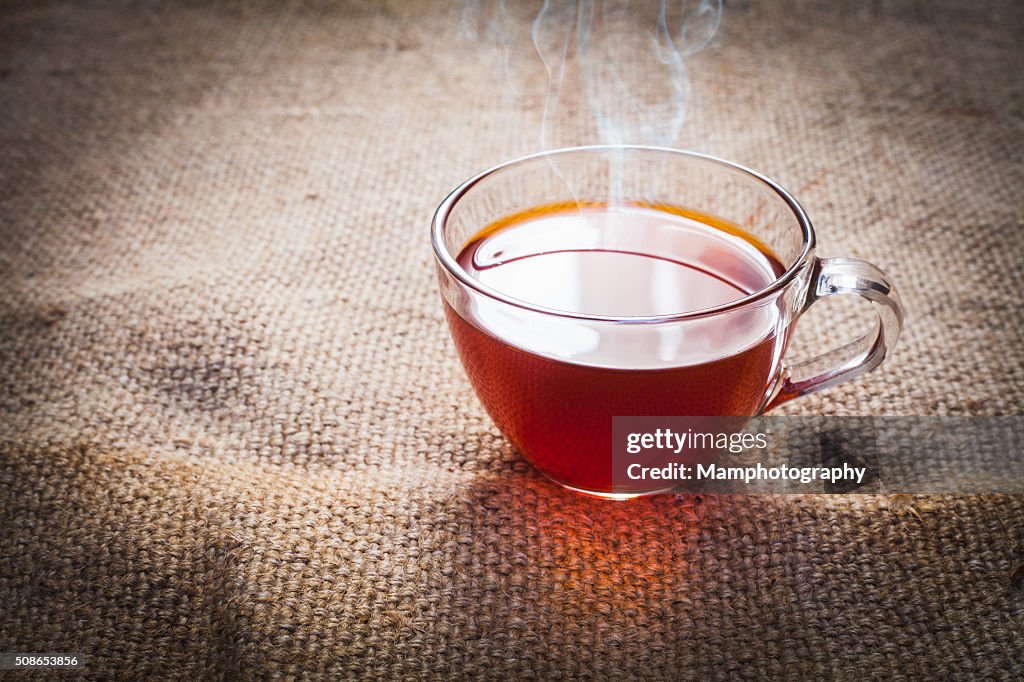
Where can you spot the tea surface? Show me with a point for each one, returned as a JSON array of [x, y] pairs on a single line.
[[625, 262]]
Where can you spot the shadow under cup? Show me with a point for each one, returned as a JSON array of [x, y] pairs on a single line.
[[552, 380]]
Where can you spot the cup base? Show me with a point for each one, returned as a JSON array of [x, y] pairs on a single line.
[[620, 497]]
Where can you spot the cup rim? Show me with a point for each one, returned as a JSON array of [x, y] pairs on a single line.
[[449, 262]]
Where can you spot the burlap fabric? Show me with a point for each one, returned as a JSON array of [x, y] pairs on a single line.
[[236, 441]]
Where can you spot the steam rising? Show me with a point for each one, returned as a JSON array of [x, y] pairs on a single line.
[[615, 70]]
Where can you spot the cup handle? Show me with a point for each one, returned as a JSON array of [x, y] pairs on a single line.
[[835, 277]]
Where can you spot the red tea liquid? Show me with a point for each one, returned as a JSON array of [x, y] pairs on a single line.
[[553, 385]]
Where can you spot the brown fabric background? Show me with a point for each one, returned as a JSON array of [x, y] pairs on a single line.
[[236, 440]]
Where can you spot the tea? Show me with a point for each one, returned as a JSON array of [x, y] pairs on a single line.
[[553, 389]]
